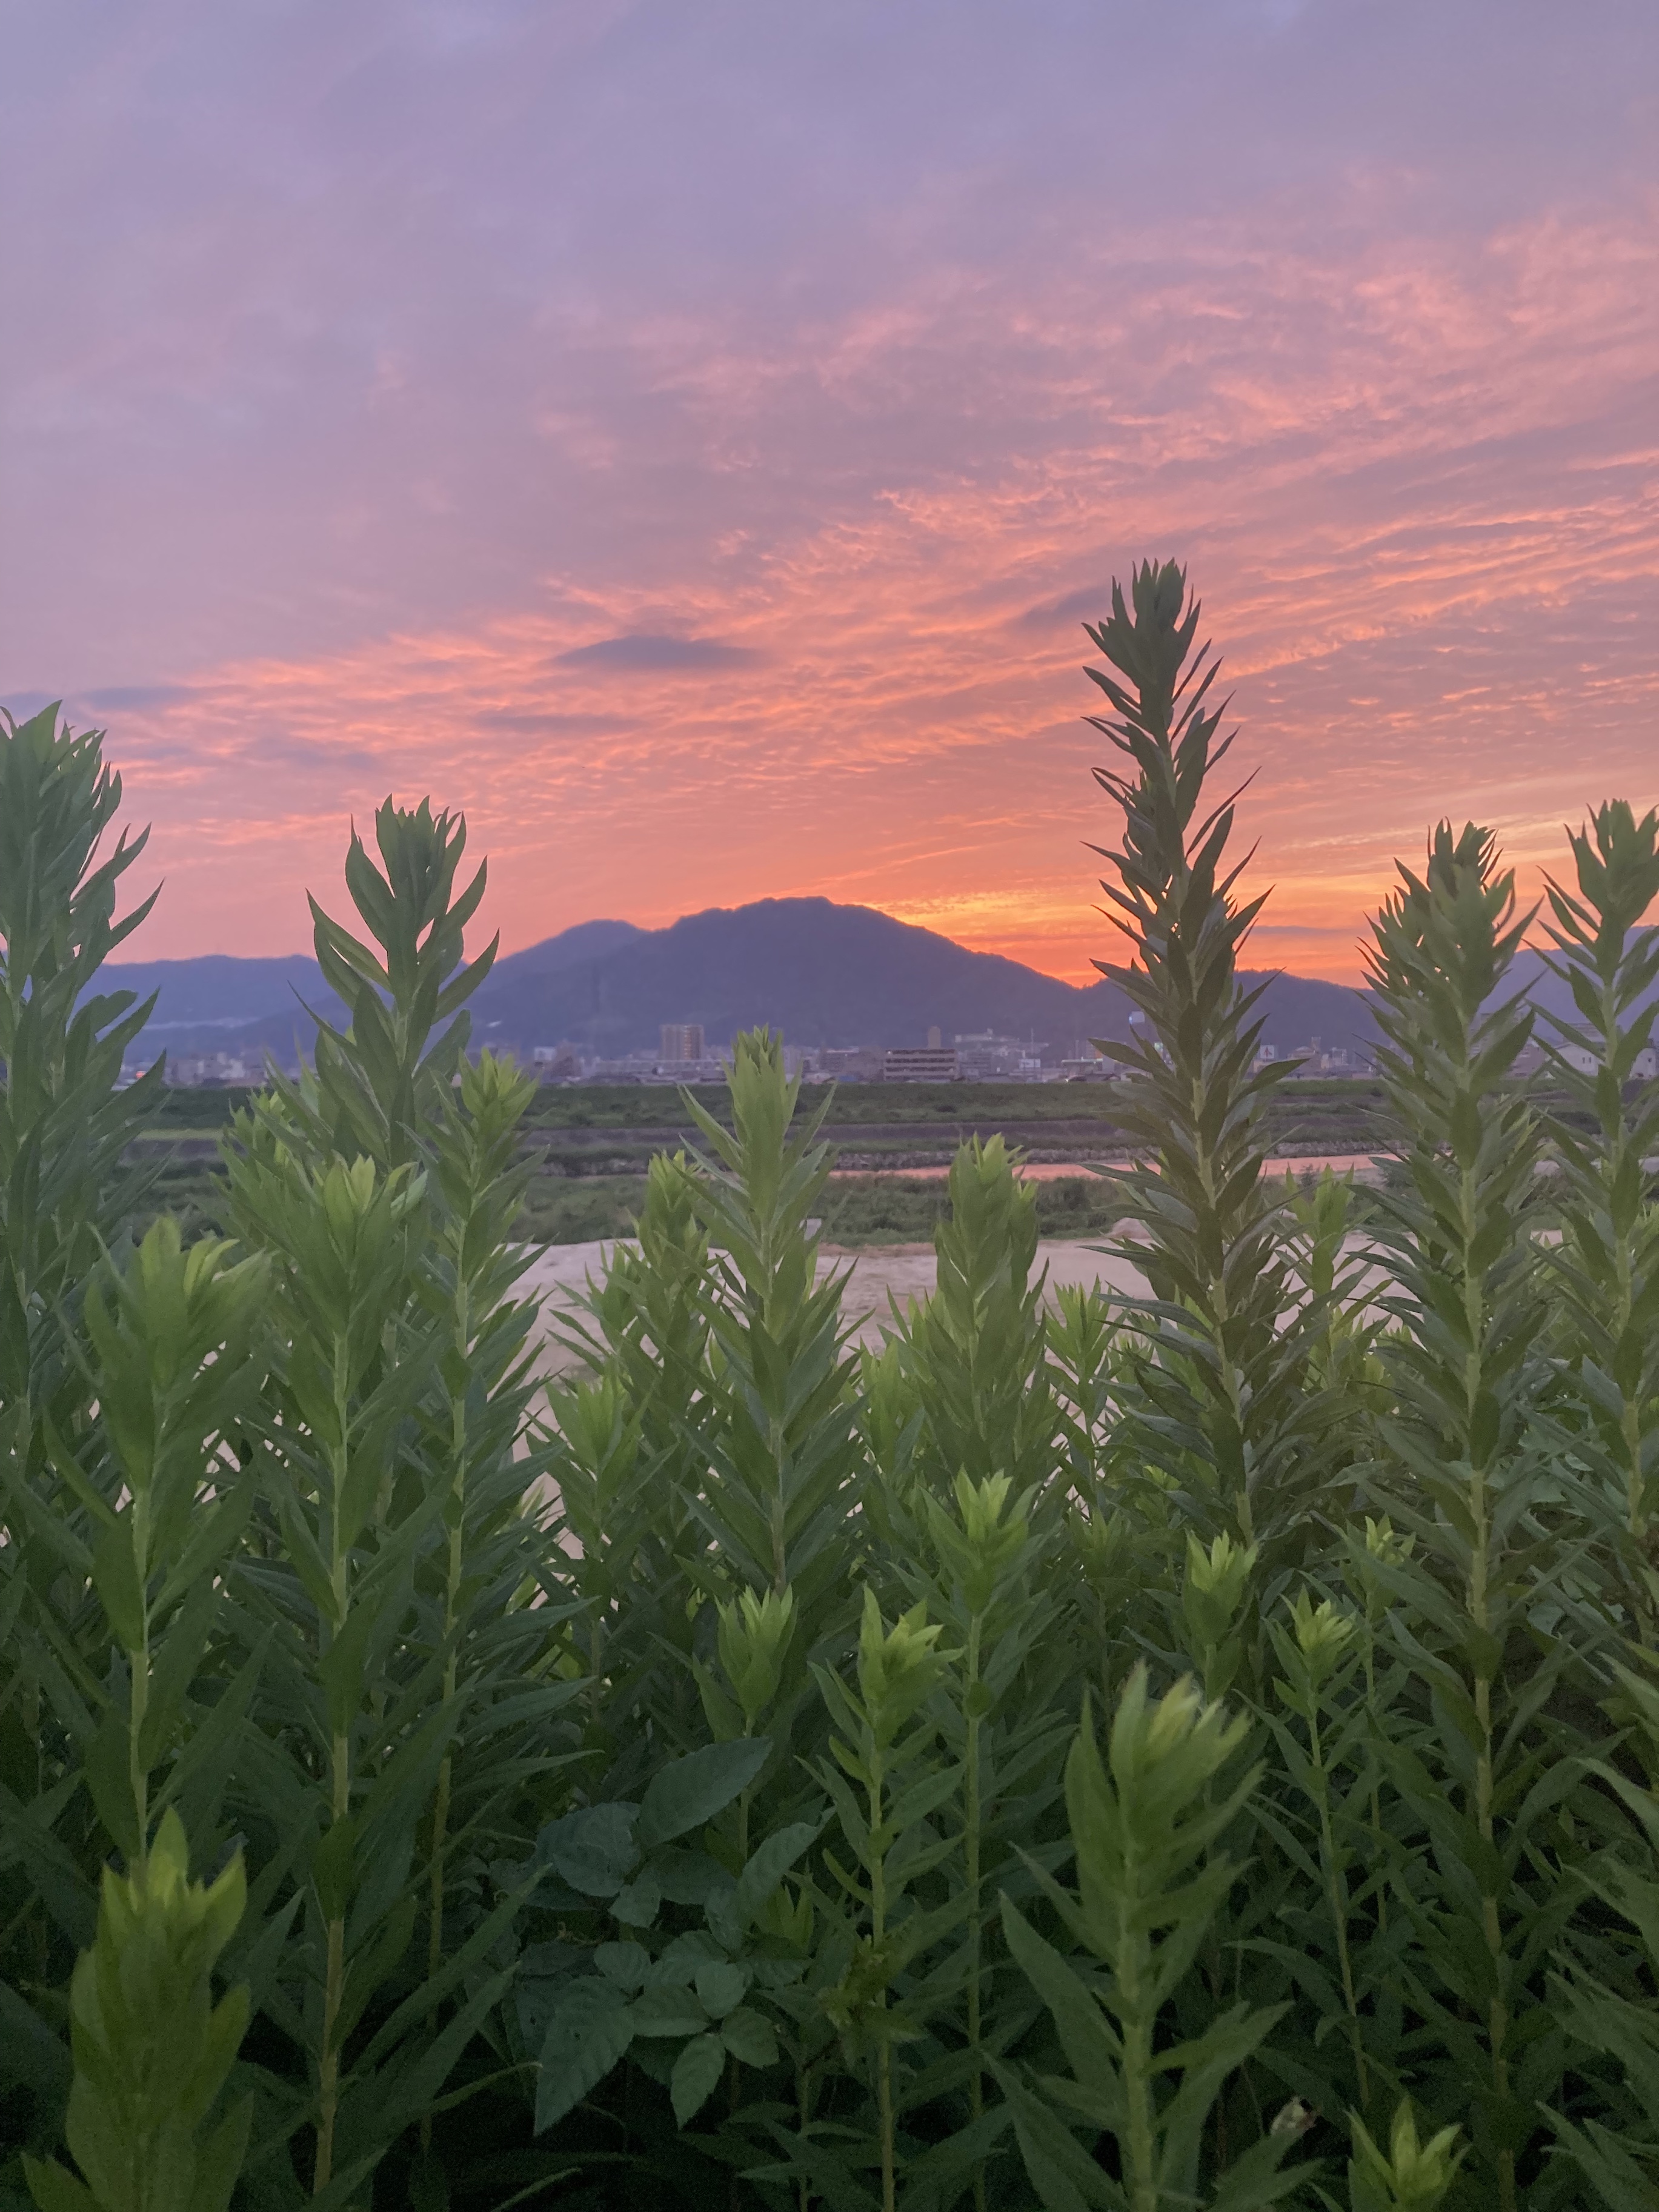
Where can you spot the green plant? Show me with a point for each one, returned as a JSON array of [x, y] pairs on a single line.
[[65, 1124], [1001, 1729], [1229, 1411], [1469, 1431], [412, 1673], [1143, 1824], [778, 1434], [152, 2051], [886, 1786], [1605, 1988], [1412, 2176], [1606, 1265], [975, 1351], [174, 1369], [521, 1704]]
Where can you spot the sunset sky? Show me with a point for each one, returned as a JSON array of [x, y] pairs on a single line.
[[689, 436]]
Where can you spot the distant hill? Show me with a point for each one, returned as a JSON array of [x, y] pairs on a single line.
[[829, 975], [588, 940], [218, 993], [823, 974]]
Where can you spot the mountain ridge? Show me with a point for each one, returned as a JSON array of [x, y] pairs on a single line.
[[824, 973]]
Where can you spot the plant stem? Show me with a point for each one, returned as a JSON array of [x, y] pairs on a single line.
[[1480, 1613], [138, 1693], [1376, 1792], [1140, 2135], [1617, 1134], [878, 1944], [434, 1950], [1336, 1890], [1216, 1288], [328, 2072], [972, 1816], [804, 2114]]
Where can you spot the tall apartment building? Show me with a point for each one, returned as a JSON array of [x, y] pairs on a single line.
[[681, 1041]]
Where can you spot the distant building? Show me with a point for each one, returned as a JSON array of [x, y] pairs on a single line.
[[558, 1063], [680, 1040], [919, 1063], [985, 1057], [1583, 1061], [711, 1068], [1316, 1058], [209, 1071], [934, 1040], [848, 1063]]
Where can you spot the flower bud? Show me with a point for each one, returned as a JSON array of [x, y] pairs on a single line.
[[1415, 2176], [754, 1634]]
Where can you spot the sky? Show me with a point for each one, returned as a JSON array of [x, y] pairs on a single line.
[[688, 436]]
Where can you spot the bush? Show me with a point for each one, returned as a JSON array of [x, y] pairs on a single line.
[[684, 1788]]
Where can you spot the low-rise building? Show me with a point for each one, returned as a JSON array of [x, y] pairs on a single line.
[[557, 1063], [848, 1063], [919, 1063], [212, 1070], [984, 1057], [1583, 1061], [710, 1068]]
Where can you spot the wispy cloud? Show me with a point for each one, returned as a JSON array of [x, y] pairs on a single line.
[[720, 521], [644, 651], [117, 697]]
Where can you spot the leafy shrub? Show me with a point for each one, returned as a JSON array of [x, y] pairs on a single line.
[[680, 1785]]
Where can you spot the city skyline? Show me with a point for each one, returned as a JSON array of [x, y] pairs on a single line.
[[690, 441]]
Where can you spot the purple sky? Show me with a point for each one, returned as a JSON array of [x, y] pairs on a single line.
[[688, 437]]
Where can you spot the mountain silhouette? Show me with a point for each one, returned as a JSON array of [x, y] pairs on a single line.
[[821, 973]]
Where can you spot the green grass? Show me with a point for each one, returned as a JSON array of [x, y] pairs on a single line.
[[581, 1209]]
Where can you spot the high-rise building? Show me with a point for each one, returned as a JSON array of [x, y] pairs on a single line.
[[681, 1041]]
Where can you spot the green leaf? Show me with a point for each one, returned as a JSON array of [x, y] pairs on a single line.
[[219, 2161], [590, 2030], [1066, 2177], [747, 2036], [668, 2008], [688, 1792], [1091, 2047], [636, 1903], [56, 2190], [768, 1866], [696, 2075], [625, 1964], [594, 1849], [29, 2052], [720, 1987]]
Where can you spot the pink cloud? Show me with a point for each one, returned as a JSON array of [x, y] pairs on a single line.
[[1414, 477]]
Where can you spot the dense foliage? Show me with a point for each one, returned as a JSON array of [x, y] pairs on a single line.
[[1189, 1751]]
